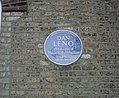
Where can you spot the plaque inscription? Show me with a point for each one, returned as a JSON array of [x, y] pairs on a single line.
[[63, 47]]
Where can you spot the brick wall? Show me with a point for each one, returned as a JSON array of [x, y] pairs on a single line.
[[29, 74], [8, 18], [5, 50]]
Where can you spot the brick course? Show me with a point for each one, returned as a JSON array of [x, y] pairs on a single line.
[[14, 5]]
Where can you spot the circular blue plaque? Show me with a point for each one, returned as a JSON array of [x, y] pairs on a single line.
[[63, 47]]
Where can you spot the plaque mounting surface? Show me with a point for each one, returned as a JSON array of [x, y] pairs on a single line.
[[63, 47]]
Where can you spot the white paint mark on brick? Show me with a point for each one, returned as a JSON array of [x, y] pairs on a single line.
[[86, 56]]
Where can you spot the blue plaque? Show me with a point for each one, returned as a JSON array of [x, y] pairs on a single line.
[[63, 47]]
